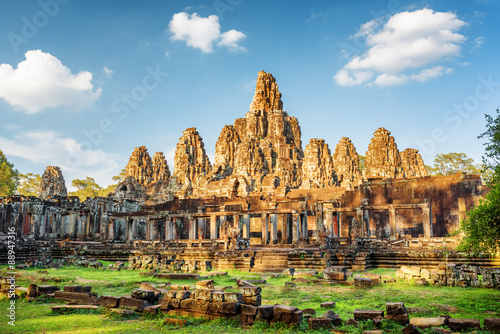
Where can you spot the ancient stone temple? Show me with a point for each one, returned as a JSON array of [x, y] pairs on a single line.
[[346, 164], [263, 192], [412, 163], [317, 166], [382, 159], [52, 183], [191, 161]]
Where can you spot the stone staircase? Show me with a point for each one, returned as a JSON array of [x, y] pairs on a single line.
[[362, 260], [274, 260]]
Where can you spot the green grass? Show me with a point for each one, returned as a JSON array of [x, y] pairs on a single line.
[[36, 317]]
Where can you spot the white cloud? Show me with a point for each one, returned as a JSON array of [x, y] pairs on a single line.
[[203, 32], [13, 127], [47, 148], [230, 39], [41, 81], [167, 54], [402, 49], [107, 72]]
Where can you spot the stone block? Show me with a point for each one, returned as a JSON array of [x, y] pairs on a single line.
[[406, 270], [411, 329], [32, 292], [308, 273], [249, 291], [285, 309], [492, 324], [334, 276], [316, 323], [420, 281], [153, 309], [82, 298], [289, 271], [73, 288], [301, 280], [253, 300], [206, 284], [395, 308], [463, 324], [144, 295], [218, 297], [247, 320], [400, 274], [309, 311], [360, 314], [362, 283], [335, 318], [229, 308], [249, 309], [182, 294], [187, 303], [427, 322], [424, 273], [266, 311], [414, 271], [133, 304], [327, 304], [233, 297], [402, 319], [372, 276], [289, 318], [351, 322], [108, 301], [289, 284], [47, 289]]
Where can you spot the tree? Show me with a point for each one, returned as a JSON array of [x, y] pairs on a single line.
[[119, 178], [29, 184], [361, 163], [481, 228], [450, 163], [86, 188], [8, 176]]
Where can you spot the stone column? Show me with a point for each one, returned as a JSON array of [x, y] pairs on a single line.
[[359, 213], [392, 221], [192, 227], [213, 227], [246, 226], [426, 217], [366, 221], [339, 226], [303, 226], [329, 224], [295, 227], [264, 228], [274, 229], [282, 227]]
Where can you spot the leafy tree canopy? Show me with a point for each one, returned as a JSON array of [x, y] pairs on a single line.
[[85, 188], [29, 184], [481, 228], [450, 163], [8, 176]]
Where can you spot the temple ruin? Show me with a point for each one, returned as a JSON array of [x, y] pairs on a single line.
[[262, 195]]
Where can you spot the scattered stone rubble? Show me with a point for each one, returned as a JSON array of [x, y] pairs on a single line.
[[449, 274]]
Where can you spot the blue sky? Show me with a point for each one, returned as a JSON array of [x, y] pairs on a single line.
[[84, 82]]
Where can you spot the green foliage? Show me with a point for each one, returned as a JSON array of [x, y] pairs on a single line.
[[481, 228], [451, 163], [8, 176], [119, 178], [29, 184], [361, 162], [86, 188]]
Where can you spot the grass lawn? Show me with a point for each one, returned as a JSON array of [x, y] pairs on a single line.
[[36, 317]]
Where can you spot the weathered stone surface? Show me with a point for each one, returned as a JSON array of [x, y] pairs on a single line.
[[206, 284], [362, 283], [108, 301], [316, 323], [140, 166], [71, 308], [160, 171], [360, 314], [327, 304], [492, 324], [133, 304], [248, 291], [427, 322], [249, 309], [191, 161], [266, 311], [317, 166], [52, 183], [83, 298], [288, 314], [411, 329], [32, 292], [346, 164], [144, 295], [463, 324], [395, 308], [253, 300], [382, 158], [47, 289], [412, 163]]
